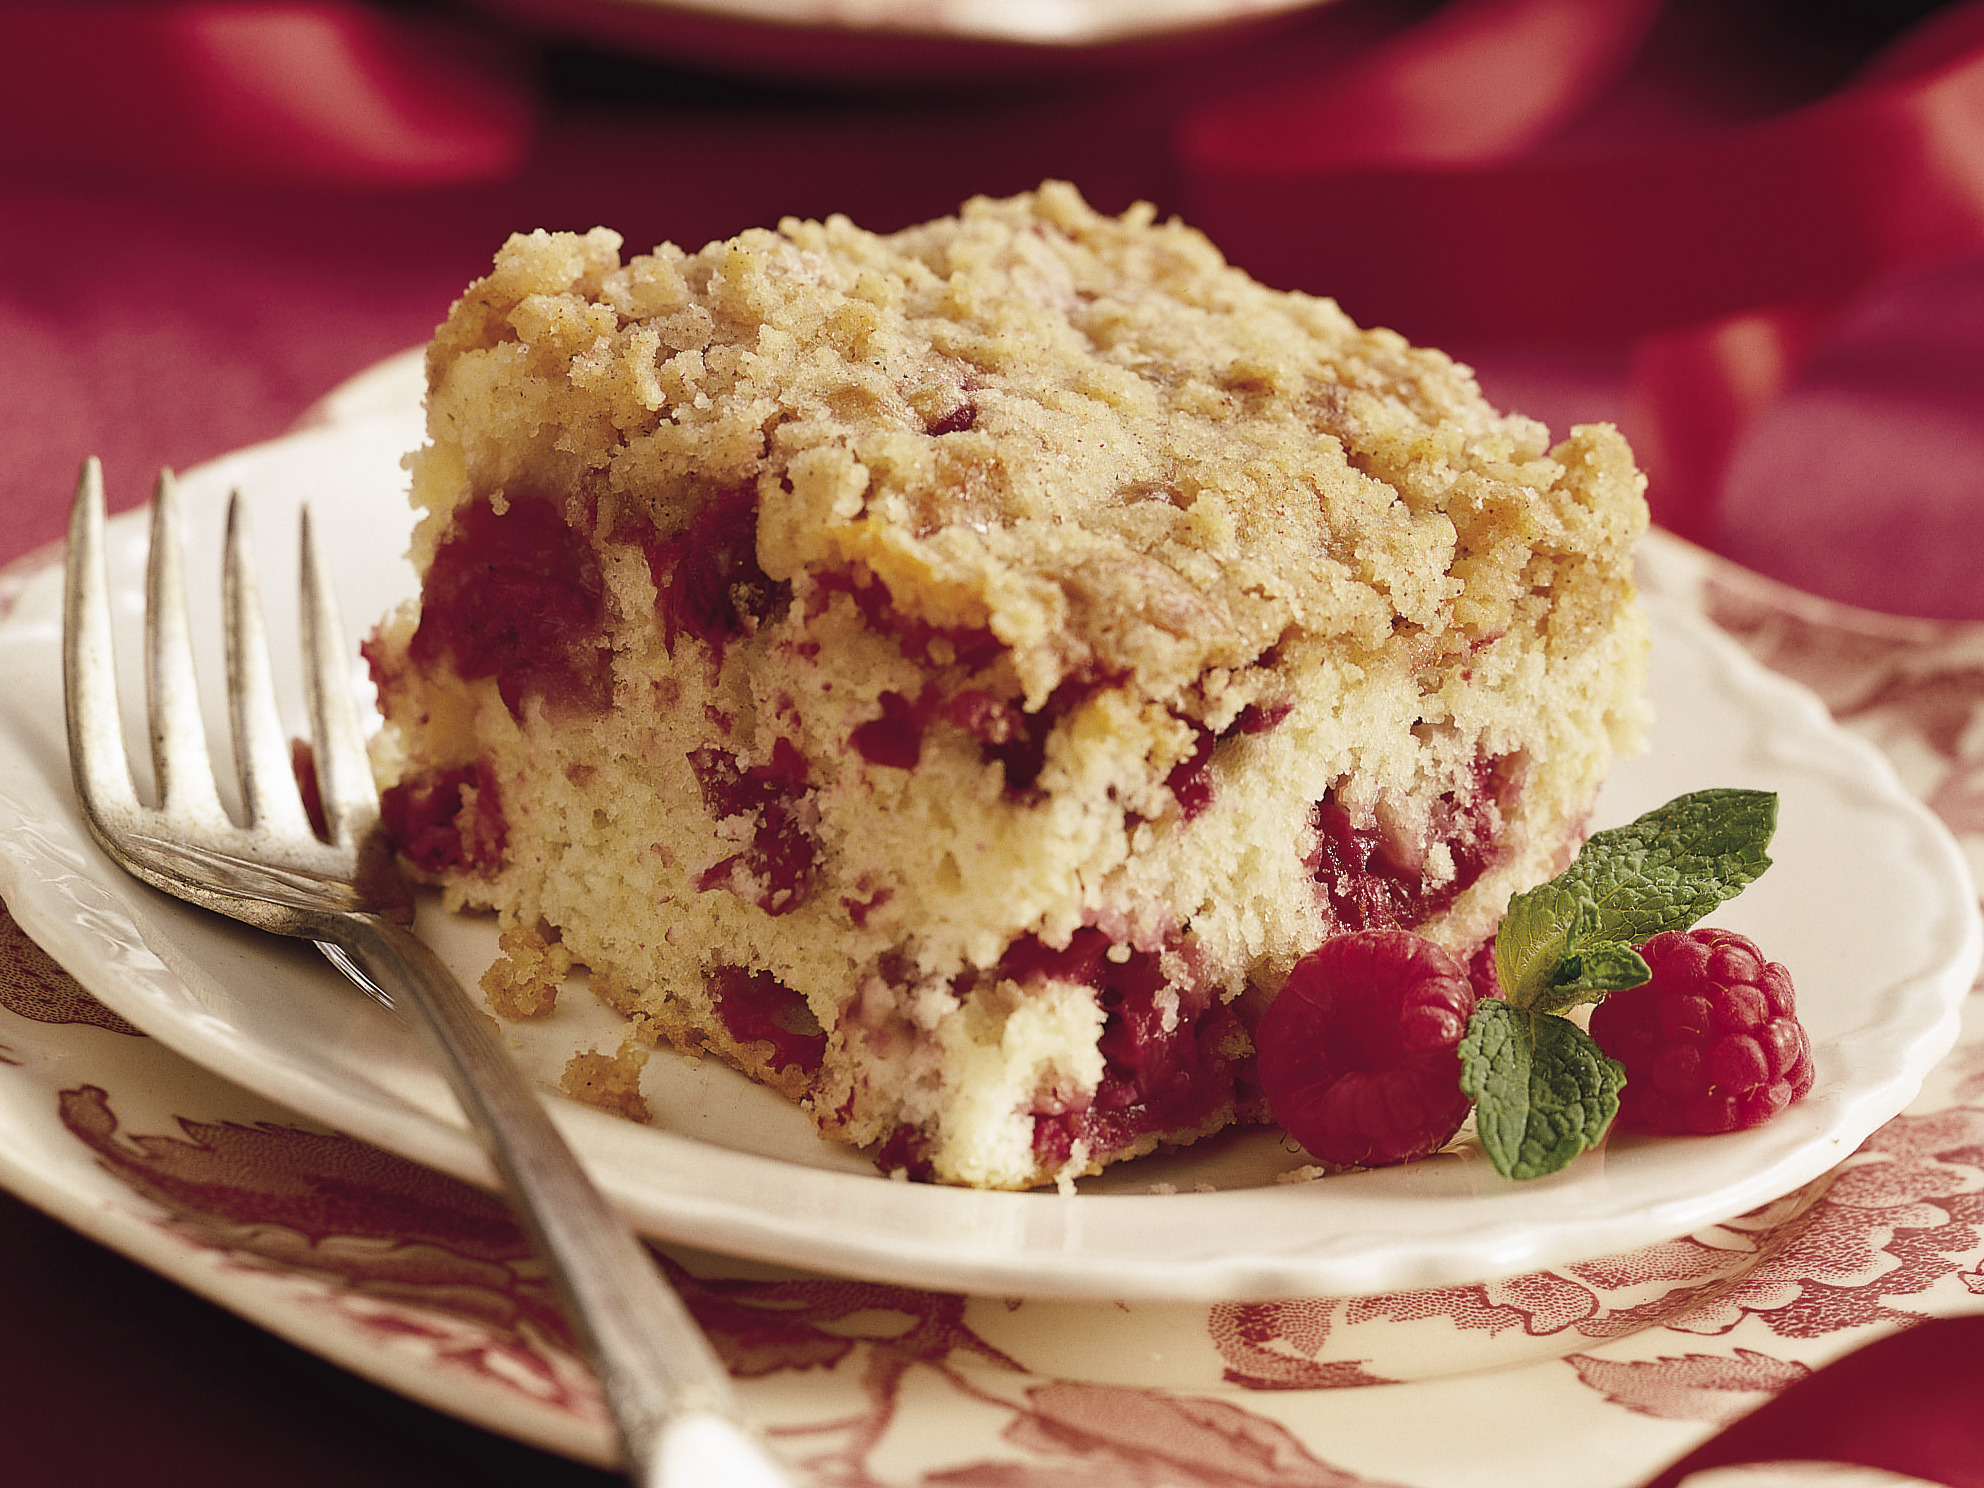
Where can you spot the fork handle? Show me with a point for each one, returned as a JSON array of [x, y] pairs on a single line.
[[670, 1397]]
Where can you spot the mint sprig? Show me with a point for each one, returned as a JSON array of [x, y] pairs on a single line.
[[1543, 1091]]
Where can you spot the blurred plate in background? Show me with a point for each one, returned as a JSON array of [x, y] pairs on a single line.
[[898, 41]]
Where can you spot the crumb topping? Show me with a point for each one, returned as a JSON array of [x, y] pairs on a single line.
[[1087, 435]]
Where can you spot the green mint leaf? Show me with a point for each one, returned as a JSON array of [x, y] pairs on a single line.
[[1675, 864], [1543, 1091], [1588, 973], [1662, 872], [1535, 933]]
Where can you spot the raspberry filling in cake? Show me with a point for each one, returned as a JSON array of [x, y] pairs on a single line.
[[954, 676], [516, 597], [1378, 879]]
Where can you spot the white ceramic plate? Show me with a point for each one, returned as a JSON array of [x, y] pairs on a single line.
[[1871, 905]]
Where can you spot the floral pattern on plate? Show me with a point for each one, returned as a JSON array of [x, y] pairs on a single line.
[[423, 1283]]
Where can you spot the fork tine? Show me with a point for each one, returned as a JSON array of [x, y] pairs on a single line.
[[344, 771], [89, 674], [180, 761], [261, 748]]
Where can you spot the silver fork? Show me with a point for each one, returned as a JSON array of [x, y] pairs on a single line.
[[677, 1416]]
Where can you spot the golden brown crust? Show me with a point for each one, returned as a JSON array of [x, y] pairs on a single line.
[[523, 983], [1088, 433], [610, 1082]]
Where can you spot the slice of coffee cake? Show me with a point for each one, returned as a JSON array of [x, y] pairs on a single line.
[[954, 675]]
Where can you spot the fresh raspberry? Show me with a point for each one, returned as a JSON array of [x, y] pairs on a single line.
[[1359, 1054], [1481, 971], [1712, 1043]]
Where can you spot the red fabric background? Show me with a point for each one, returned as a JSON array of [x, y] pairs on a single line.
[[1742, 228], [1665, 214]]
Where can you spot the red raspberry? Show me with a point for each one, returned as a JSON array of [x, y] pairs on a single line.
[[1481, 971], [1359, 1052], [1712, 1043]]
